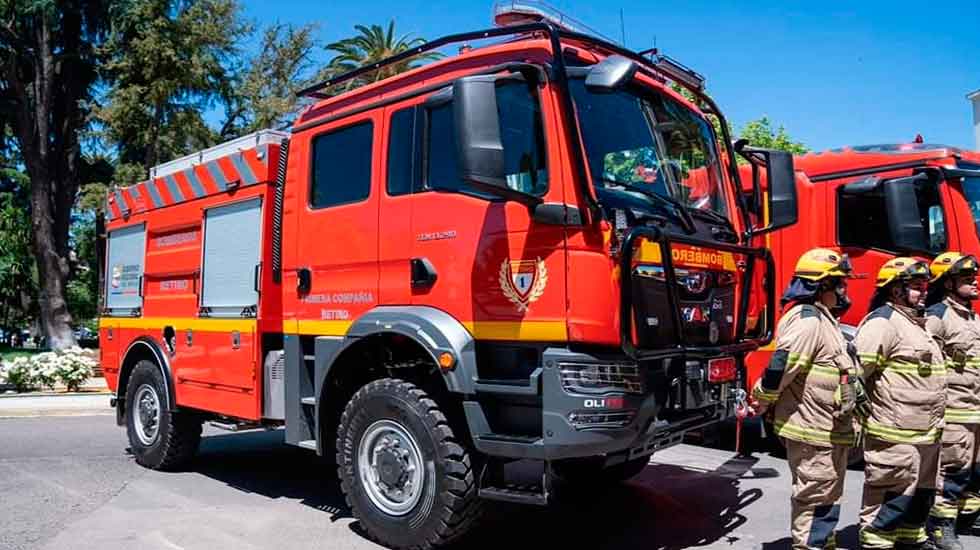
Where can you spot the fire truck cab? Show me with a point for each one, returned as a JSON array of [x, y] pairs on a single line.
[[532, 250], [876, 202]]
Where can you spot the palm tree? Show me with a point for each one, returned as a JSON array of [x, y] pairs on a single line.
[[371, 45]]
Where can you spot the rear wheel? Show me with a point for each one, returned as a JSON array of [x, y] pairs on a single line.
[[405, 475], [159, 438]]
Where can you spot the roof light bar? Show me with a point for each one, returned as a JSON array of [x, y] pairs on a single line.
[[522, 12], [678, 71]]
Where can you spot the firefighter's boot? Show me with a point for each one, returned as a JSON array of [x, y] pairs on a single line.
[[942, 534]]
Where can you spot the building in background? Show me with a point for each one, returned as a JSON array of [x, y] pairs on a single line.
[[974, 98]]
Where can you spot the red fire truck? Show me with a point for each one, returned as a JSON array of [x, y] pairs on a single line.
[[876, 202], [532, 250]]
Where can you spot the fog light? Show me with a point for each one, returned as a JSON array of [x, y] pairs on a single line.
[[723, 369]]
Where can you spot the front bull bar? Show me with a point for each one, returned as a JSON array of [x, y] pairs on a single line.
[[741, 345]]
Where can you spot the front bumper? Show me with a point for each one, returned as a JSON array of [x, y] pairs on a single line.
[[623, 415]]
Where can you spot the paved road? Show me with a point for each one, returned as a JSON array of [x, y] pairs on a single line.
[[67, 483]]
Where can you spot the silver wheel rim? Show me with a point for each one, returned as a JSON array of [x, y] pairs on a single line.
[[389, 464], [147, 414]]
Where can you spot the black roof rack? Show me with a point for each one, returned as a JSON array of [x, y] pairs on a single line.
[[314, 90], [659, 64]]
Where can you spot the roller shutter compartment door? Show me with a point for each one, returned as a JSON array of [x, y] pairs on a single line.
[[232, 241], [124, 275]]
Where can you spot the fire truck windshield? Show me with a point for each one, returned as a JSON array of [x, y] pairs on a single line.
[[646, 140]]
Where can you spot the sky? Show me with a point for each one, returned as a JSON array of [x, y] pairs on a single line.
[[832, 73]]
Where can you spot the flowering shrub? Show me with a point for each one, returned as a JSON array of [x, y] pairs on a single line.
[[44, 369], [75, 366], [71, 367], [17, 372]]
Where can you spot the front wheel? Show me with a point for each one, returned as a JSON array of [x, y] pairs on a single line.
[[159, 438], [404, 473]]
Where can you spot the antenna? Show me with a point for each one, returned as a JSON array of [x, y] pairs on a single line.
[[622, 27]]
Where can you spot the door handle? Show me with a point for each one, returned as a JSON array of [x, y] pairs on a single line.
[[304, 280], [423, 273]]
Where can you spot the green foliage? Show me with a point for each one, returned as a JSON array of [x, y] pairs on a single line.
[[83, 285], [18, 273], [372, 44], [760, 133], [166, 63], [263, 94]]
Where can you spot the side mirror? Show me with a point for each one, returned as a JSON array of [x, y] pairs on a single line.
[[780, 185], [908, 232], [480, 150], [612, 73]]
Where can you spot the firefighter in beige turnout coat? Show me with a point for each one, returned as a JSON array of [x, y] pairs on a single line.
[[904, 372], [810, 385], [950, 317]]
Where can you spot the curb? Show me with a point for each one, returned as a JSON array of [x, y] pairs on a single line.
[[56, 405], [51, 394], [35, 413]]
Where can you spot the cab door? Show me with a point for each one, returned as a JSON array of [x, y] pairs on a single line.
[[485, 261], [336, 274]]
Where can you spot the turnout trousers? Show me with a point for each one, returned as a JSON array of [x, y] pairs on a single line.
[[900, 482], [818, 483], [959, 480]]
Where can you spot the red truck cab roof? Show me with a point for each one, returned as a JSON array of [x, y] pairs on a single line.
[[835, 163]]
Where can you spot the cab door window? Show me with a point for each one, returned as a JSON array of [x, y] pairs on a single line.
[[522, 134], [342, 166], [863, 218]]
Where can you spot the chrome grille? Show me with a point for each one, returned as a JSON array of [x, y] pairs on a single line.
[[599, 378]]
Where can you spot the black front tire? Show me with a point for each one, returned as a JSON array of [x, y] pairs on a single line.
[[176, 435], [448, 507]]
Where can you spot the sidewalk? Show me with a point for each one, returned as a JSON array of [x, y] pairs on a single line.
[[92, 399]]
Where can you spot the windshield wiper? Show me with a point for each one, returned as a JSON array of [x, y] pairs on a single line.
[[712, 215], [682, 212]]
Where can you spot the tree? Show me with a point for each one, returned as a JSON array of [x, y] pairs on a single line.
[[167, 62], [371, 45], [760, 133], [47, 73], [263, 94]]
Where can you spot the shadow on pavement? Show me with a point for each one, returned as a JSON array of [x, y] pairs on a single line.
[[666, 507], [846, 538], [260, 462]]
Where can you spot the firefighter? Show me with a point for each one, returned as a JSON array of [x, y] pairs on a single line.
[[950, 317], [904, 372], [809, 384]]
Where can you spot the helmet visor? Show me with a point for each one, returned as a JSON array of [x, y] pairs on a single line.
[[916, 270], [967, 265], [842, 269]]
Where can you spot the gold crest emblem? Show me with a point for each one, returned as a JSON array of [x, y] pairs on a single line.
[[523, 281]]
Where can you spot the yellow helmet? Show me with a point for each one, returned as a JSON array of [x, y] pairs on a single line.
[[902, 268], [819, 263], [952, 263]]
